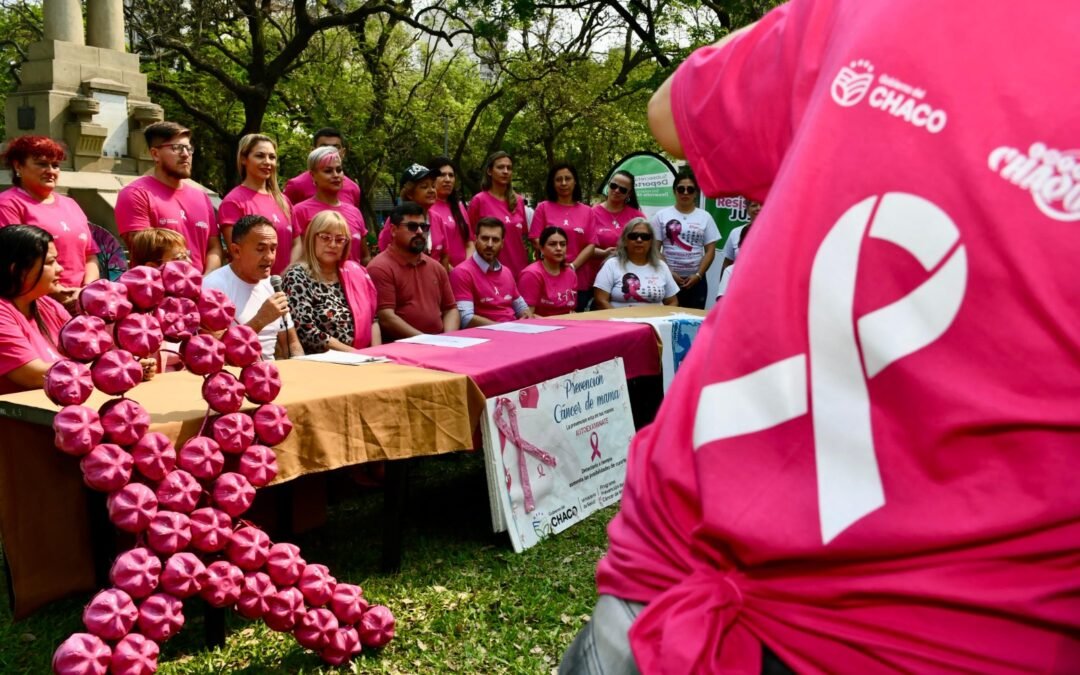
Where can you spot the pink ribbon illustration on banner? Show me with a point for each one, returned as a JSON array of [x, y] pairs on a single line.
[[594, 441], [506, 421]]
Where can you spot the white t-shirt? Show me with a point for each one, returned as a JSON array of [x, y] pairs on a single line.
[[248, 298], [632, 284], [734, 243], [684, 236], [725, 279]]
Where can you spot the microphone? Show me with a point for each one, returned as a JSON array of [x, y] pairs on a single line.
[[275, 283]]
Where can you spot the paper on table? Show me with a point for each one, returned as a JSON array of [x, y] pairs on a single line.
[[444, 341], [521, 327], [343, 358]]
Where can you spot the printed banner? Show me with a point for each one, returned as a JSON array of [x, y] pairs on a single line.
[[677, 333], [654, 178], [556, 451]]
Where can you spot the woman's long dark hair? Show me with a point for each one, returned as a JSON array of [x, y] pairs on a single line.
[[22, 248], [631, 197], [549, 187], [453, 200]]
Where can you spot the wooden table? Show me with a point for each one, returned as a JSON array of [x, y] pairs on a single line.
[[343, 416]]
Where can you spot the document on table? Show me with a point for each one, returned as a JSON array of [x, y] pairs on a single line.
[[343, 358], [522, 327], [444, 341]]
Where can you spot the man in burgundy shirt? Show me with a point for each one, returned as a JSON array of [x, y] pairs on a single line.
[[302, 187], [414, 290], [485, 290]]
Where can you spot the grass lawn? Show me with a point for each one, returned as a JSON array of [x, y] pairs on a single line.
[[464, 601]]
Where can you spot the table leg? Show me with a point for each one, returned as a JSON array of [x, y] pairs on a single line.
[[646, 395], [214, 626], [393, 505]]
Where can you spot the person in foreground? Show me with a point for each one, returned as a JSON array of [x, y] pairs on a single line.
[[483, 287], [163, 199], [246, 281], [868, 461], [635, 275], [331, 297], [32, 200], [548, 286], [30, 320], [413, 289]]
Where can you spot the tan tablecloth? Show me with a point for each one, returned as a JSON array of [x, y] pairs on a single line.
[[343, 415]]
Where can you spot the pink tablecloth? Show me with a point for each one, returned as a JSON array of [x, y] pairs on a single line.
[[510, 361]]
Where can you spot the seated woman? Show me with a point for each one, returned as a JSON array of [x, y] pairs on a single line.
[[549, 284], [635, 274], [30, 320], [155, 247], [331, 297]]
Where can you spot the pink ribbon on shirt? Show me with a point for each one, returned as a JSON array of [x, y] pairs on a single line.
[[506, 422]]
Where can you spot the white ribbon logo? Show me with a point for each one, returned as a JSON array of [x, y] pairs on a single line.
[[848, 480]]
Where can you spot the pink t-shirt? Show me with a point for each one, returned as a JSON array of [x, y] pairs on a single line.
[[243, 201], [868, 460], [301, 188], [546, 293], [437, 236], [492, 292], [63, 219], [513, 254], [146, 202], [21, 341], [577, 221], [456, 246], [607, 227], [305, 211]]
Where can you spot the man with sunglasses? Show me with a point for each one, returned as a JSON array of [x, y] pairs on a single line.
[[484, 289], [163, 199], [414, 290], [301, 187]]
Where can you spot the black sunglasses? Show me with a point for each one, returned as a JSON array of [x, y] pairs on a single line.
[[620, 188], [413, 227], [686, 189], [639, 236]]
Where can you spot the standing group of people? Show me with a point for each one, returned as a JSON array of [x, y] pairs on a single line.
[[444, 264]]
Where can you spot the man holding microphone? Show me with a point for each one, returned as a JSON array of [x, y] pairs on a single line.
[[247, 282]]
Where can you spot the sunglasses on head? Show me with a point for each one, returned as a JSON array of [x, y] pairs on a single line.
[[639, 236], [685, 189], [618, 188], [413, 227]]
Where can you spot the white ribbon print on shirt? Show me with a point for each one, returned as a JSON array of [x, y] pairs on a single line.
[[848, 479]]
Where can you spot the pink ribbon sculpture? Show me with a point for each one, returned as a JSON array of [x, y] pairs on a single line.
[[184, 506], [507, 423]]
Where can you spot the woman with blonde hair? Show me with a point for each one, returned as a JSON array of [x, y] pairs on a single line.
[[156, 246], [258, 194], [498, 200], [635, 274], [324, 165], [331, 297]]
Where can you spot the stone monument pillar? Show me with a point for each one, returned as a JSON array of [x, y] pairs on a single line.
[[92, 97], [105, 23]]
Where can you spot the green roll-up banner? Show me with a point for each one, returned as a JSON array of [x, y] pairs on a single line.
[[653, 178]]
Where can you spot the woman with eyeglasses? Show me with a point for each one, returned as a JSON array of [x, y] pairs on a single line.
[[155, 247], [449, 210], [498, 200], [565, 210], [258, 194], [610, 217], [418, 185], [688, 237], [635, 274], [549, 285], [332, 298], [35, 170], [324, 164]]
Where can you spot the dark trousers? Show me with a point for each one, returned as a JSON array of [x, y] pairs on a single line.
[[694, 297]]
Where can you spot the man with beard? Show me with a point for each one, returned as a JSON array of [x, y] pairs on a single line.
[[162, 199], [414, 290]]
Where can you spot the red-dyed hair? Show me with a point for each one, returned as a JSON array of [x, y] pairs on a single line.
[[21, 149]]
